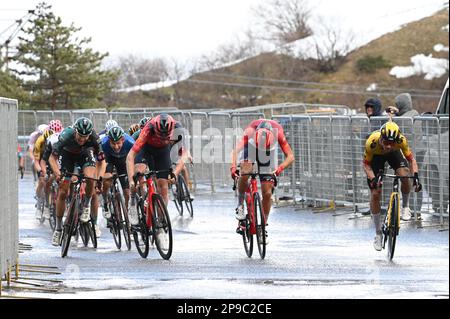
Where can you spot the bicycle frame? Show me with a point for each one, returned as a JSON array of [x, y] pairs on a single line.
[[252, 188]]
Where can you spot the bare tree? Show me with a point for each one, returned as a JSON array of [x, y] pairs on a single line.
[[136, 70], [284, 21], [331, 47]]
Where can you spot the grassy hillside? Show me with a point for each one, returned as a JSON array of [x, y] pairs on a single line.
[[213, 89]]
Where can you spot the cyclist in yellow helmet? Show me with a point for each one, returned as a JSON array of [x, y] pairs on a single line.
[[389, 145]]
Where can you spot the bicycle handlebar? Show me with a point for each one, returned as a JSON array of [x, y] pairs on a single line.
[[81, 176], [153, 173], [253, 175]]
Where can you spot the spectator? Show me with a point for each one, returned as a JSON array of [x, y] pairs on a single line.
[[403, 103], [373, 107]]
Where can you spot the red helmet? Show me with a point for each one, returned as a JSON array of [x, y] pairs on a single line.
[[55, 125], [264, 139], [164, 125]]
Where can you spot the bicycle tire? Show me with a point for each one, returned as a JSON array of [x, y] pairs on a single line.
[[125, 222], [177, 197], [68, 229], [247, 236], [52, 211], [260, 225], [41, 209], [115, 221], [140, 232], [393, 224], [83, 232], [186, 196], [161, 228]]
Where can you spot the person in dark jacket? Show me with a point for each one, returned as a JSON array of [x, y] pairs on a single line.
[[373, 107]]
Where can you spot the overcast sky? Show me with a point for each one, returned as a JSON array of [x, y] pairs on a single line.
[[184, 29]]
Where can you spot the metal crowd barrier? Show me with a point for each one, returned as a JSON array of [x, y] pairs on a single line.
[[9, 223], [329, 151]]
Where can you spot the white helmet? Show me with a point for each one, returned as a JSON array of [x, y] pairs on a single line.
[[109, 124], [42, 128]]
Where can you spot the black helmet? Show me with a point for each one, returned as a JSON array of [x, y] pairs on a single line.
[[83, 126], [144, 121], [115, 133]]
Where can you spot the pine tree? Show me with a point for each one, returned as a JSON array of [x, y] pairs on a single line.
[[60, 70]]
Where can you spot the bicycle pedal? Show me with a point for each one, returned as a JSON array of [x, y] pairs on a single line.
[[239, 231]]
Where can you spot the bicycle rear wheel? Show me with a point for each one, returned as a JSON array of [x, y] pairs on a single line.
[[140, 232], [260, 224], [393, 226], [247, 236], [161, 228], [176, 193], [52, 211], [68, 229], [185, 195]]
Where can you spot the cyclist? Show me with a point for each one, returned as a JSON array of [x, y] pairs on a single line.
[[77, 145], [116, 145], [258, 145], [31, 141], [21, 160], [155, 141], [140, 165], [133, 129], [388, 144]]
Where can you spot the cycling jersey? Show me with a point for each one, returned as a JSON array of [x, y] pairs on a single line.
[[39, 147], [373, 147], [49, 146], [110, 153], [32, 140], [148, 137], [277, 129]]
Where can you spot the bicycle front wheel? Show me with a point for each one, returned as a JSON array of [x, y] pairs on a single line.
[[68, 229], [115, 221], [140, 232], [125, 222], [260, 224], [247, 236], [161, 228], [393, 224]]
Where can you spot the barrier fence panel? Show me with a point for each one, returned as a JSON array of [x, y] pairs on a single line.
[[9, 223], [328, 149], [361, 128]]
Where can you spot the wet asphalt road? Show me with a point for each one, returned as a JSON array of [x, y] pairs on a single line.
[[310, 255]]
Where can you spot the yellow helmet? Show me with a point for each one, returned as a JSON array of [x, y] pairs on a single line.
[[390, 131], [47, 133]]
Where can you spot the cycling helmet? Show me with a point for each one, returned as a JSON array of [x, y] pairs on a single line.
[[83, 126], [144, 121], [42, 128], [115, 133], [55, 125], [264, 139], [164, 125], [133, 129], [47, 133], [109, 124], [266, 125], [390, 131]]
